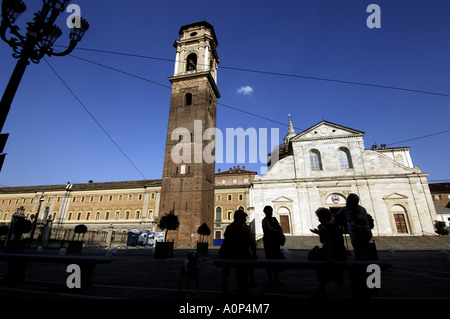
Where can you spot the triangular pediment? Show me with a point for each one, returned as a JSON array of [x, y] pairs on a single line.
[[395, 196], [282, 199], [326, 129]]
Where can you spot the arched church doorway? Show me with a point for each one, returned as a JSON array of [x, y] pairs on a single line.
[[400, 219], [284, 216]]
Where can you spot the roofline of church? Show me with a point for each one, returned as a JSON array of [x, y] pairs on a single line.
[[332, 124], [387, 149]]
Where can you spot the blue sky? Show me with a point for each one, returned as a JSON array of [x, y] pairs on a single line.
[[53, 139]]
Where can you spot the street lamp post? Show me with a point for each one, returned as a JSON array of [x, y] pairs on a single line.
[[37, 42], [35, 220]]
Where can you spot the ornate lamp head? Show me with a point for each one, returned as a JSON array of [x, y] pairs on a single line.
[[12, 9], [59, 5], [49, 36], [76, 34]]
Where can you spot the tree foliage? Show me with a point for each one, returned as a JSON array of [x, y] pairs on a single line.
[[22, 226], [80, 229], [169, 222], [204, 230], [441, 228]]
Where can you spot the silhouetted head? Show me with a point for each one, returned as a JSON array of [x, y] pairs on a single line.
[[240, 215], [352, 201], [268, 210], [323, 214], [191, 255]]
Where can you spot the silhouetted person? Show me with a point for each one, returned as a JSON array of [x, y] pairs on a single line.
[[333, 249], [273, 239], [360, 234], [239, 243], [190, 270], [357, 224]]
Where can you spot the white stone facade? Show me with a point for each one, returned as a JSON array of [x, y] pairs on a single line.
[[329, 161]]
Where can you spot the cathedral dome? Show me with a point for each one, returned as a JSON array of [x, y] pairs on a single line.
[[285, 149]]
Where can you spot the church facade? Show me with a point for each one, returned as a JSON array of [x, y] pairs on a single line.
[[320, 166]]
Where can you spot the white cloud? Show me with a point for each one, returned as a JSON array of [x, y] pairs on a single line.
[[245, 90]]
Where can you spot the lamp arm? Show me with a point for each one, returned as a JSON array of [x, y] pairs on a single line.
[[12, 42], [3, 29], [69, 49]]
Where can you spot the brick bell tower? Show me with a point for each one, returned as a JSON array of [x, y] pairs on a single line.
[[188, 175]]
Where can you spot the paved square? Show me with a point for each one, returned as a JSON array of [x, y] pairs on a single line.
[[135, 274]]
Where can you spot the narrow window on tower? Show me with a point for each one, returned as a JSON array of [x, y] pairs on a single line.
[[191, 63], [188, 99]]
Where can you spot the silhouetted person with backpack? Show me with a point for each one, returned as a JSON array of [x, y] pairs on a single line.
[[273, 239]]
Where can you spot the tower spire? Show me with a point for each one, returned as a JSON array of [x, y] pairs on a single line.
[[291, 132]]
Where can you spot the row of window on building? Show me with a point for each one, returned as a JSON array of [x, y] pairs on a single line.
[[79, 215], [108, 216], [344, 157], [229, 197], [439, 196], [229, 214], [101, 198], [80, 199], [109, 197]]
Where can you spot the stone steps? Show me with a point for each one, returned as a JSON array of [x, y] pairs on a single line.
[[382, 242]]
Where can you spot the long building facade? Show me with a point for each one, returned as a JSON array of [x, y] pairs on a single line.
[[113, 209]]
